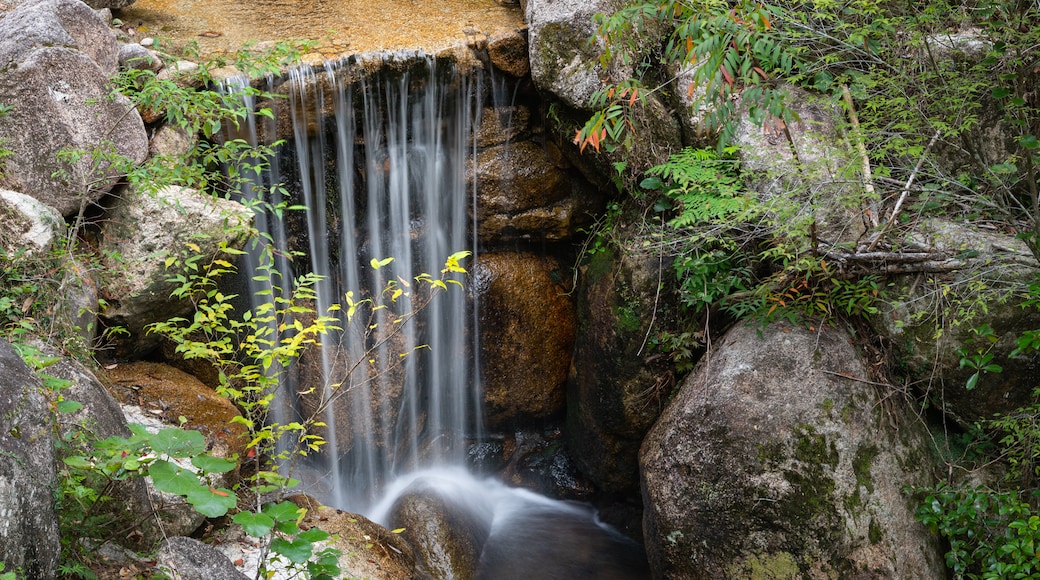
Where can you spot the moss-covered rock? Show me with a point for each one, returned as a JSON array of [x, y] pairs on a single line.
[[935, 319], [773, 461], [617, 386]]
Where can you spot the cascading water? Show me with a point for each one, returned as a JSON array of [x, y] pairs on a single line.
[[380, 161], [381, 166]]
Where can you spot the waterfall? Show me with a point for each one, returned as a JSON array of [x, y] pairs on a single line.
[[380, 161], [380, 158]]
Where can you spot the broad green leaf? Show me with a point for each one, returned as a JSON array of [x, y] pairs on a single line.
[[168, 477], [314, 535], [297, 551], [972, 381], [282, 511], [212, 502], [256, 524], [178, 442], [652, 183], [211, 464]]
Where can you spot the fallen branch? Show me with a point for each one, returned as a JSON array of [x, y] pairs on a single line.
[[886, 257]]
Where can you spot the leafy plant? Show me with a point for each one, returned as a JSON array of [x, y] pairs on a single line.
[[728, 49], [706, 186], [981, 360], [292, 543], [992, 534]]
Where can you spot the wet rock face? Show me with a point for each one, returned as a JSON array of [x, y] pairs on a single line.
[[615, 390], [447, 536], [29, 524], [527, 326], [522, 195], [507, 50], [770, 458]]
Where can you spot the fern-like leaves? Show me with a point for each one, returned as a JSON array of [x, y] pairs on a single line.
[[706, 186]]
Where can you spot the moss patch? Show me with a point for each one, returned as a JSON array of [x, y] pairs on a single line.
[[875, 534], [812, 447], [776, 566], [861, 466]]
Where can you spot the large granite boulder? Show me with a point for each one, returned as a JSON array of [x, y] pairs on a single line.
[[807, 156], [29, 523], [563, 61], [190, 559], [567, 67], [145, 229], [527, 330], [936, 318], [56, 57], [776, 459]]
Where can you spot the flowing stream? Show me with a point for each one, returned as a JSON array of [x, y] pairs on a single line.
[[380, 160]]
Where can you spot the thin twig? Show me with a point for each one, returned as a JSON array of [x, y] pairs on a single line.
[[857, 379], [657, 298], [905, 193], [868, 180]]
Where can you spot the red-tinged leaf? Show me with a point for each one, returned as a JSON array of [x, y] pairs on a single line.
[[760, 72], [632, 99], [251, 453], [218, 492], [726, 75]]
